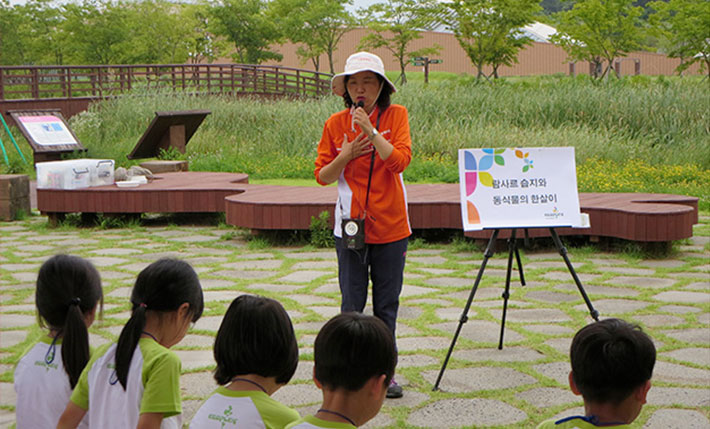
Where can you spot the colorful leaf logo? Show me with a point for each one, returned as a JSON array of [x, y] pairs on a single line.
[[524, 156]]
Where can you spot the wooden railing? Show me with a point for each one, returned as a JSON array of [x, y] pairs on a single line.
[[51, 82]]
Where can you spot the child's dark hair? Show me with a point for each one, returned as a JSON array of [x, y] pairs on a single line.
[[383, 101], [610, 359], [68, 288], [256, 337], [351, 349], [162, 286]]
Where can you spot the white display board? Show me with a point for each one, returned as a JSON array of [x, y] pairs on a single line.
[[518, 188], [47, 130]]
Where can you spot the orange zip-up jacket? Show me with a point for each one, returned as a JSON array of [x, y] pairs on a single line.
[[387, 215]]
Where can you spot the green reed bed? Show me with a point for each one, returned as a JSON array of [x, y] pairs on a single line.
[[654, 131]]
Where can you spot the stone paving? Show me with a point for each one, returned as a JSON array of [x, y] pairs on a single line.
[[518, 386]]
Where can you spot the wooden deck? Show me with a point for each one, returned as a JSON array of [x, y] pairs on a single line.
[[636, 217]]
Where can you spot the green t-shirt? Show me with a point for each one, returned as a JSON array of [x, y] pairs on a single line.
[[241, 409], [576, 422], [313, 422], [153, 382]]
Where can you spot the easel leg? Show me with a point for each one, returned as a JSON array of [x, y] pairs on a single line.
[[563, 252], [464, 315], [512, 250]]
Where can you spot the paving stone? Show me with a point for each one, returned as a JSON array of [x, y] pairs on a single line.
[[192, 359], [215, 283], [197, 385], [436, 271], [542, 397], [532, 315], [549, 329], [121, 292], [508, 354], [643, 282], [325, 254], [452, 282], [116, 251], [189, 409], [20, 267], [607, 261], [326, 311], [686, 396], [115, 275], [208, 323], [551, 297], [480, 412], [308, 326], [16, 320], [560, 344], [662, 263], [193, 238], [422, 343], [694, 336], [416, 360], [419, 252], [479, 331], [243, 274], [17, 308], [683, 296], [628, 270], [704, 319], [221, 295], [558, 371], [596, 290], [411, 290], [702, 276], [294, 395], [679, 309], [256, 264], [677, 419], [674, 373], [74, 243], [11, 338], [256, 287], [474, 379], [561, 276], [315, 265], [34, 248], [303, 276], [705, 286], [206, 260], [607, 307], [136, 267], [8, 397], [482, 294], [428, 301], [426, 260], [542, 255], [656, 320], [696, 355], [307, 300]]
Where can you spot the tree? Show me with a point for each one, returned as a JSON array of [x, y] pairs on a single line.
[[244, 23], [29, 33], [202, 44], [317, 25], [490, 31], [395, 24], [685, 27], [600, 30], [97, 33]]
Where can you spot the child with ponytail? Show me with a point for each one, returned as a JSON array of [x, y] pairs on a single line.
[[67, 295], [135, 383]]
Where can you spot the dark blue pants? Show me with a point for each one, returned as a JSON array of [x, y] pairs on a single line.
[[384, 263]]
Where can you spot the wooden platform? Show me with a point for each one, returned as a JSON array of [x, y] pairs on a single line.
[[636, 217]]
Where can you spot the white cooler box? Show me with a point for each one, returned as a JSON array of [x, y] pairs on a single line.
[[74, 173]]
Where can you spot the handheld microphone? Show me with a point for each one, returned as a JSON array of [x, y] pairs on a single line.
[[360, 103]]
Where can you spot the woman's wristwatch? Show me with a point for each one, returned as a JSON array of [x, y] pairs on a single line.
[[373, 133]]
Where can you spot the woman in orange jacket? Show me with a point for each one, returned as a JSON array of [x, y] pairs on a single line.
[[366, 147]]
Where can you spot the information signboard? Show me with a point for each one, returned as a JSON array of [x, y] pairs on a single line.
[[518, 188]]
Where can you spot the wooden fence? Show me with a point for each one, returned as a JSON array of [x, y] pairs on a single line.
[[68, 82]]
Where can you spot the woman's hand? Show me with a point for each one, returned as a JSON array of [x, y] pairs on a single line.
[[358, 147], [361, 118]]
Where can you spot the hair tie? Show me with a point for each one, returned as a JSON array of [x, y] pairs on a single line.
[[76, 301], [142, 304]]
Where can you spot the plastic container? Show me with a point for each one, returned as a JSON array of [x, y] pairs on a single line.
[[75, 173]]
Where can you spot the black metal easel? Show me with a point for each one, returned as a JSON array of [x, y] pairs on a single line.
[[512, 251]]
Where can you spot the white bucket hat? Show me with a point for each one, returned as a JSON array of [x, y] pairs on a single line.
[[361, 61]]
